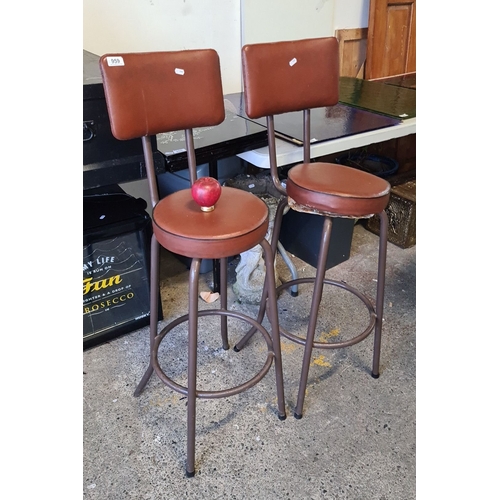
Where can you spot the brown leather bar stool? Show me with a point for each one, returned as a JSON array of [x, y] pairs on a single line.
[[299, 75], [156, 92]]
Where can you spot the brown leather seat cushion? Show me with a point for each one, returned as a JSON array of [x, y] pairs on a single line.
[[338, 190], [238, 223]]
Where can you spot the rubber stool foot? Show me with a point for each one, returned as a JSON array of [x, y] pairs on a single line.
[[189, 474], [236, 349], [282, 417], [297, 416], [375, 376]]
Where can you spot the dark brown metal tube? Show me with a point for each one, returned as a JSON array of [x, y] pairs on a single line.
[[273, 163], [382, 257], [153, 313], [223, 302], [307, 136], [192, 362], [150, 170], [313, 317], [191, 156], [275, 329]]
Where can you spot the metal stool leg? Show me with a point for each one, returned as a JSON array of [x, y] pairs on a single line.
[[313, 317], [153, 314], [275, 329], [260, 317], [223, 302], [274, 246], [192, 362], [294, 290], [382, 257]]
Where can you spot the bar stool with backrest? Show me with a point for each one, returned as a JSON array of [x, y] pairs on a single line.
[[299, 75], [156, 92]]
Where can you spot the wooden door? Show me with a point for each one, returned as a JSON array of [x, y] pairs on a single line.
[[391, 45]]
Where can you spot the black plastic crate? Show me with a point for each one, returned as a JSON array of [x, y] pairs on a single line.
[[301, 235]]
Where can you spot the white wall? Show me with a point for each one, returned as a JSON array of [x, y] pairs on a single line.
[[271, 21], [146, 25], [349, 14]]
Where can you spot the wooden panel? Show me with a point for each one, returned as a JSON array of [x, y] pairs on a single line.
[[352, 51], [399, 18], [411, 61], [391, 43]]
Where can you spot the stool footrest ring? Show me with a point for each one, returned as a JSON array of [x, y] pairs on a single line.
[[221, 393], [332, 345]]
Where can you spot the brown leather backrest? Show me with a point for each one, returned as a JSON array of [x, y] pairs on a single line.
[[279, 77], [154, 92]]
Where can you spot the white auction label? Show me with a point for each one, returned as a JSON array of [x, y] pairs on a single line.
[[179, 71], [115, 61]]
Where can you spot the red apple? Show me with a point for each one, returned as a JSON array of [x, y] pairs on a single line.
[[205, 192]]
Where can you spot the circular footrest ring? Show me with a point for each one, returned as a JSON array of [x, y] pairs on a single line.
[[221, 393], [331, 345]]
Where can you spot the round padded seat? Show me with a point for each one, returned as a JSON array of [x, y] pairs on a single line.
[[337, 189], [239, 222]]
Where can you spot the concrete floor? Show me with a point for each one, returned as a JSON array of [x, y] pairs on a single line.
[[355, 441]]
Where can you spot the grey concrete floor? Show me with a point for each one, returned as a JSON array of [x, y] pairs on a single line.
[[356, 440]]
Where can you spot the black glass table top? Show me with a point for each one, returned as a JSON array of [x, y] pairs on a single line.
[[326, 123], [389, 100], [234, 135], [409, 81]]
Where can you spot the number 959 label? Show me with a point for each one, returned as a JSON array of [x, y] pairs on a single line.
[[115, 61]]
